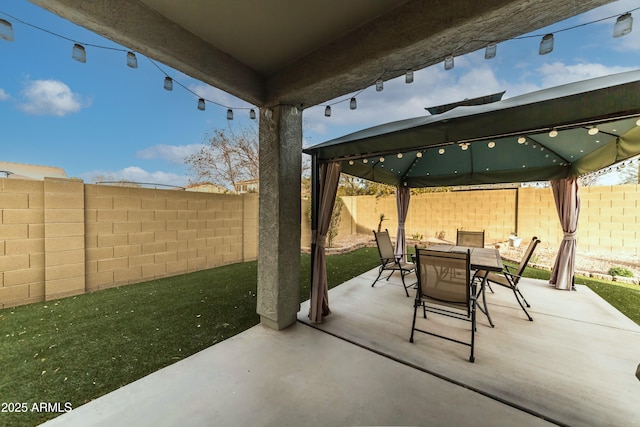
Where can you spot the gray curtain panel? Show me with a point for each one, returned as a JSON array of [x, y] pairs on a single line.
[[565, 193], [403, 196]]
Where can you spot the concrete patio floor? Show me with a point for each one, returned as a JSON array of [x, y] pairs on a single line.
[[573, 365]]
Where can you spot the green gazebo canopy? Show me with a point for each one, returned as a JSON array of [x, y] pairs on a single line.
[[553, 133]]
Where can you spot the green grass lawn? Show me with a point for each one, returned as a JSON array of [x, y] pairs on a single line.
[[77, 349]]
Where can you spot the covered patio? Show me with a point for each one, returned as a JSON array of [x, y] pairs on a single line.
[[574, 365]]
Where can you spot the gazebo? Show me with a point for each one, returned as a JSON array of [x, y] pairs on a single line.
[[555, 134]]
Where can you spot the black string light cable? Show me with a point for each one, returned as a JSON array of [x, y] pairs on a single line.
[[79, 48], [378, 83], [409, 72]]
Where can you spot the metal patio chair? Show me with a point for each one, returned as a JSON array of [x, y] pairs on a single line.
[[509, 277], [474, 239], [389, 261], [445, 287]]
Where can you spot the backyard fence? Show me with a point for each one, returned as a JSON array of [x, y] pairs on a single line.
[[61, 237]]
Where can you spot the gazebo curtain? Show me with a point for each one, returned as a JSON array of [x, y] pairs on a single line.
[[328, 176], [403, 195], [565, 193]]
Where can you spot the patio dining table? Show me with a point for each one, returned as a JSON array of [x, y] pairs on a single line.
[[481, 259]]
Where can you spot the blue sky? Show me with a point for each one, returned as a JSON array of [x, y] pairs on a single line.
[[104, 118]]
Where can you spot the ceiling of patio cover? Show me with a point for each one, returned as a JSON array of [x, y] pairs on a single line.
[[501, 142]]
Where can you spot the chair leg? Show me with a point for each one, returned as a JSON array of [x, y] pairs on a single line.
[[402, 274], [515, 292], [523, 298], [413, 325], [472, 357], [379, 274]]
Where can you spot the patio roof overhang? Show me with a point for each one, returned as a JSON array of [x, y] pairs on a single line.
[[500, 142]]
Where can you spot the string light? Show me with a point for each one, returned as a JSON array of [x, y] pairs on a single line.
[[448, 63], [78, 53], [408, 77], [441, 151], [521, 140], [399, 155], [229, 114], [201, 106], [623, 25], [546, 44], [6, 30], [327, 111], [593, 130], [132, 61], [491, 144], [553, 133], [252, 114], [490, 51], [168, 83], [353, 104], [419, 154]]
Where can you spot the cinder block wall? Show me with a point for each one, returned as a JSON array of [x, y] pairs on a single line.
[[135, 234], [438, 214], [609, 217], [22, 256], [61, 237]]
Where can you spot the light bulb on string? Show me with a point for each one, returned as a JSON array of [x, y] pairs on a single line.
[[379, 85], [546, 44], [593, 130], [168, 83], [448, 62], [327, 111], [353, 104], [229, 114], [201, 105], [6, 30], [490, 51], [132, 61], [408, 77], [78, 53], [623, 25], [252, 114]]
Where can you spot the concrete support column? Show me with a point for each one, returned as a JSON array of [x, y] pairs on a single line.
[[279, 216]]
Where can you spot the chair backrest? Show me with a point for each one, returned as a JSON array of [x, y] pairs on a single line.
[[443, 277], [385, 248], [474, 239], [527, 256]]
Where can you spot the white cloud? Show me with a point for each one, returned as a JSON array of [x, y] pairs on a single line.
[[558, 73], [137, 174], [50, 98], [172, 153], [3, 95]]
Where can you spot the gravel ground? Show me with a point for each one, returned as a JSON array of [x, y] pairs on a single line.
[[592, 262]]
